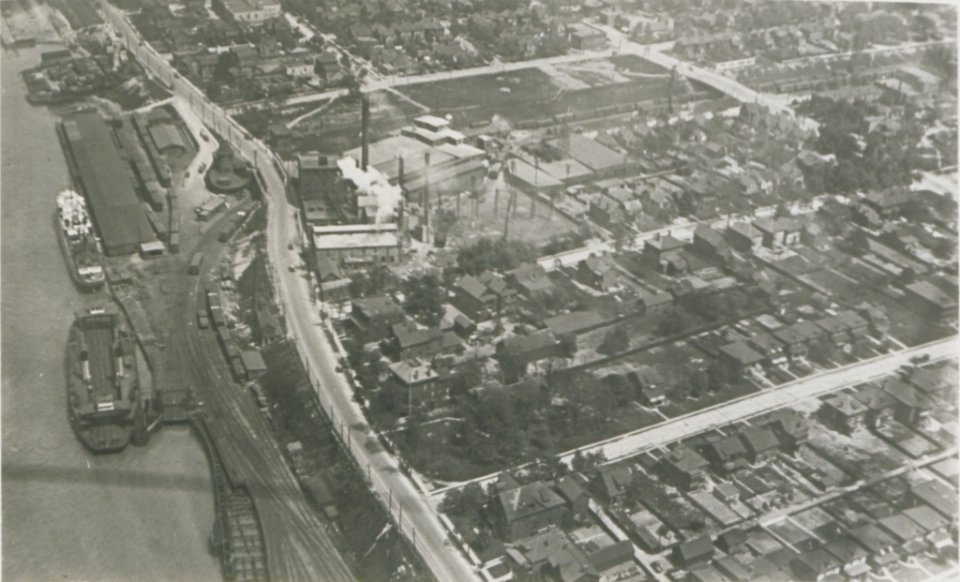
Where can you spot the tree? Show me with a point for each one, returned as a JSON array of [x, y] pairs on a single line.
[[424, 298], [465, 502], [586, 462], [616, 340]]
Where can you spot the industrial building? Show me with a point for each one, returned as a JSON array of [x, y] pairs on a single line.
[[434, 155], [357, 245], [106, 181]]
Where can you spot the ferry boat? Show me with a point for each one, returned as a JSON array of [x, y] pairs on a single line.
[[78, 241], [102, 380]]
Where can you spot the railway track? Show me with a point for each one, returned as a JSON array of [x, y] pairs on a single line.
[[296, 544]]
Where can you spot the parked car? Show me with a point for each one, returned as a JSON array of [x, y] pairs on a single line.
[[202, 321]]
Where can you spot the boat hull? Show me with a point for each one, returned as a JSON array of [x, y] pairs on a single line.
[[81, 282]]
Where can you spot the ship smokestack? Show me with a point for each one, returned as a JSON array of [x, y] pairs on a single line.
[[85, 365], [364, 131]]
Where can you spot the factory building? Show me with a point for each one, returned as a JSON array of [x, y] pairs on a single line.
[[357, 245], [435, 157], [107, 183]]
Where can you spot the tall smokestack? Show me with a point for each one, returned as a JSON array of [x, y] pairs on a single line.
[[364, 130], [401, 219]]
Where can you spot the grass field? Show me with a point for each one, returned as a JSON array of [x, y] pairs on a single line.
[[532, 94]]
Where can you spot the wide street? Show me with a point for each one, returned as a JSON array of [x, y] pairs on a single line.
[[410, 509], [681, 427]]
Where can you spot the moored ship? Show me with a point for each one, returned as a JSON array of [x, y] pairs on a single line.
[[102, 380], [78, 240]]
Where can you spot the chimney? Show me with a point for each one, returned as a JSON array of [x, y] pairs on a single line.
[[364, 132]]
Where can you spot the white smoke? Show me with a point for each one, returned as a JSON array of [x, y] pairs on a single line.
[[373, 183]]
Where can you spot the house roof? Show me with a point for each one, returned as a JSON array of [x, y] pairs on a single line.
[[569, 488], [874, 397], [741, 353], [531, 277], [707, 234], [686, 459], [696, 549], [575, 322], [830, 324], [665, 243], [931, 293], [851, 319], [472, 286], [926, 517], [612, 555], [765, 342], [873, 538], [759, 440], [818, 560], [378, 306], [729, 447], [845, 404], [525, 500], [900, 526], [791, 422], [615, 479]]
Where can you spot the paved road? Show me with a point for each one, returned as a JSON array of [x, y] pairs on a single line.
[[417, 519], [681, 427]]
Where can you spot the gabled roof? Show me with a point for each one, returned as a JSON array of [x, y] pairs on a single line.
[[845, 404], [873, 538], [696, 549], [902, 527], [729, 447], [569, 488], [528, 499], [818, 560], [759, 440], [521, 344], [686, 459], [615, 479]]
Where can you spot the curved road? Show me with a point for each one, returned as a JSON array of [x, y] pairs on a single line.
[[416, 518]]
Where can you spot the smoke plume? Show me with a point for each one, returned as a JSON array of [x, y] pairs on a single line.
[[373, 183]]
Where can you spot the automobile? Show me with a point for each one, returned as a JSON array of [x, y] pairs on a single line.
[[920, 359], [204, 136], [202, 320], [292, 268], [202, 167], [290, 247], [656, 566]]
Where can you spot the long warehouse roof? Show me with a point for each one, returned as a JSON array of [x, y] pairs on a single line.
[[107, 183]]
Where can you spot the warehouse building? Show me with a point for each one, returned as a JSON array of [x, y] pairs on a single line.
[[107, 183]]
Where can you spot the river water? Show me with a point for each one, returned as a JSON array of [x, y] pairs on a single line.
[[143, 514]]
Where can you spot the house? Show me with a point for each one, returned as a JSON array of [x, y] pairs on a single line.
[[599, 272], [570, 487], [683, 468], [517, 352], [834, 329], [530, 280], [768, 346], [732, 539], [693, 552], [737, 357], [856, 325], [710, 243], [844, 412], [727, 454], [851, 555], [420, 383], [480, 297], [790, 427], [935, 494], [778, 232], [889, 203], [586, 38], [934, 524], [930, 301], [743, 236], [570, 326], [373, 316], [414, 342], [761, 444], [815, 565], [733, 569], [524, 510], [910, 407], [876, 317], [877, 542], [662, 248], [908, 533], [612, 555], [612, 482], [650, 303], [879, 403], [796, 338]]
